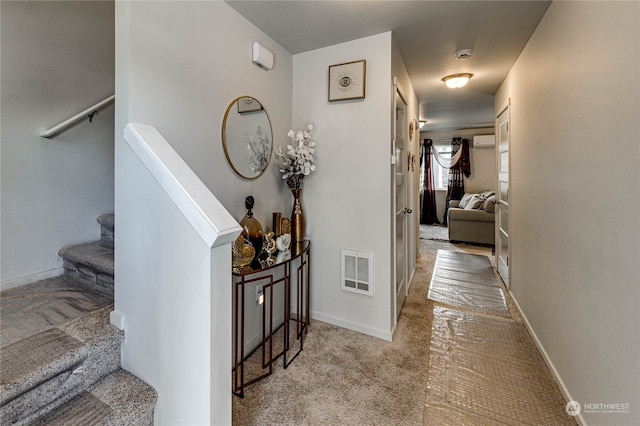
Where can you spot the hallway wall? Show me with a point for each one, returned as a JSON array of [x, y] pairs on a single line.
[[574, 204], [57, 60], [347, 204]]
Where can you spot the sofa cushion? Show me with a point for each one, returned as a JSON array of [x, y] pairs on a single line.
[[474, 203], [465, 200], [489, 204], [476, 215]]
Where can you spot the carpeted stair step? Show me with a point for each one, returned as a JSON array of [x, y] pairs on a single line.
[[46, 370], [107, 228], [90, 264], [56, 343], [118, 399]]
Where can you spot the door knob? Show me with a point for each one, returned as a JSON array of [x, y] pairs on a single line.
[[406, 210]]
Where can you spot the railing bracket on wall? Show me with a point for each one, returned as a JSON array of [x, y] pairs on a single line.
[[87, 113]]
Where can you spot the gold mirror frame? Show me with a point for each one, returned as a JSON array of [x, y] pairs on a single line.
[[247, 145]]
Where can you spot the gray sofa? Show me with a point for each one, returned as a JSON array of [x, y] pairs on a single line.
[[472, 219]]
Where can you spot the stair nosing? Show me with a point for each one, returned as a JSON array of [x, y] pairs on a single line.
[[77, 255]]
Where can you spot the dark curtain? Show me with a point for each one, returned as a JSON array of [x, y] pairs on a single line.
[[455, 187], [428, 213]]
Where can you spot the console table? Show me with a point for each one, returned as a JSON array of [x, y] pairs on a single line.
[[275, 271]]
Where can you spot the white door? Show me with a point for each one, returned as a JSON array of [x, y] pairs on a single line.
[[502, 205], [401, 209]]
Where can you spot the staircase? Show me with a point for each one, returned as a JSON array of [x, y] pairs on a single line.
[[60, 356]]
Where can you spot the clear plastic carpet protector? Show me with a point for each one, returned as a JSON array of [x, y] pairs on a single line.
[[487, 371], [484, 368], [467, 281]]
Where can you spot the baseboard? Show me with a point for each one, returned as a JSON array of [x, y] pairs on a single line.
[[370, 331], [31, 278], [563, 388], [410, 280]]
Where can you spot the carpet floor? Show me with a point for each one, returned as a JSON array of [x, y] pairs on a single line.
[[347, 378]]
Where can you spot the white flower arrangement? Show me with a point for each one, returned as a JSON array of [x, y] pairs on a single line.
[[297, 162], [259, 148]]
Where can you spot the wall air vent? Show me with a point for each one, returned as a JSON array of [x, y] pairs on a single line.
[[357, 272]]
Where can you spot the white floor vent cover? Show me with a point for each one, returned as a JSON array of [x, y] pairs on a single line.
[[357, 272]]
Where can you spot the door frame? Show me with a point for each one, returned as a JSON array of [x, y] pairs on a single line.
[[398, 165], [502, 205]]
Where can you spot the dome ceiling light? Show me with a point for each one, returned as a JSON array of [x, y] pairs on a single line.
[[456, 81]]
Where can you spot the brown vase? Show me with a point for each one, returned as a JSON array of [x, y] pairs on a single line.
[[297, 217], [251, 228]]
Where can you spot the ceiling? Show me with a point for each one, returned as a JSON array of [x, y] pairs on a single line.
[[428, 34]]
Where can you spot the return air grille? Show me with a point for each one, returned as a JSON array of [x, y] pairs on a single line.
[[357, 272]]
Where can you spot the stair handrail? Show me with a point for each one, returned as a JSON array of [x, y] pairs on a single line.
[[87, 113]]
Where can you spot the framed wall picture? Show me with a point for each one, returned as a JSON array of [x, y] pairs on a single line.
[[248, 104], [347, 81]]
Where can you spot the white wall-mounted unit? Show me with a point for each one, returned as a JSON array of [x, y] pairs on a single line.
[[262, 56], [484, 141], [357, 272]]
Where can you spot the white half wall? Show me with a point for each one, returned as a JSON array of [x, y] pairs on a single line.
[[574, 199], [178, 66], [53, 190], [178, 341], [347, 199]]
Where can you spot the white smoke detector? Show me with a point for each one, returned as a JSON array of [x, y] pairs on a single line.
[[463, 54]]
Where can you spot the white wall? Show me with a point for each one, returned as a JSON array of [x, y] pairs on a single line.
[[165, 293], [183, 78], [178, 66], [53, 189], [574, 200], [347, 199]]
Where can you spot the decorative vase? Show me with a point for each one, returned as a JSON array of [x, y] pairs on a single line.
[[297, 217], [251, 228]]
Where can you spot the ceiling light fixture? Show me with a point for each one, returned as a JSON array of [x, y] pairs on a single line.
[[455, 81]]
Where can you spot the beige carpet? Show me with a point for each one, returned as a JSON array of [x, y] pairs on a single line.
[[347, 378], [434, 232]]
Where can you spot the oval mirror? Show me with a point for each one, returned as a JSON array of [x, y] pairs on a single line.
[[247, 137]]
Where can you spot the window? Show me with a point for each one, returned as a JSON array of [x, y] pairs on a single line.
[[440, 174]]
